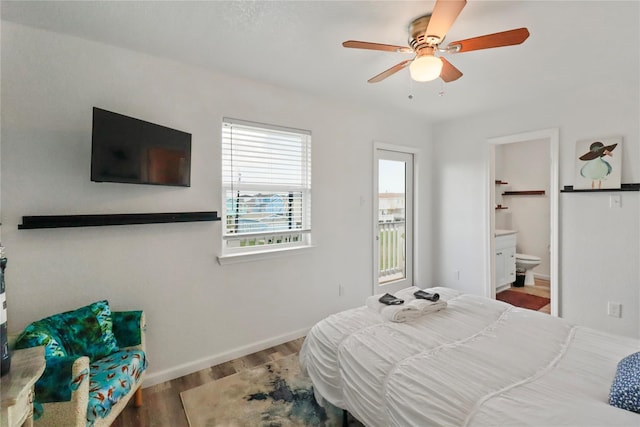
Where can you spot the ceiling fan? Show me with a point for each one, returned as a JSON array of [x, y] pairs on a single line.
[[425, 35]]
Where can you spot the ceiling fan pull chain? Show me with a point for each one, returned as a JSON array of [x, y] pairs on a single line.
[[441, 93]]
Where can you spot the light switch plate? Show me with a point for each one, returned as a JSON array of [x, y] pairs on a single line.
[[614, 201]]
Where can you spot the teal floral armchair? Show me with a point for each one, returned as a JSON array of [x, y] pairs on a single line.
[[95, 363]]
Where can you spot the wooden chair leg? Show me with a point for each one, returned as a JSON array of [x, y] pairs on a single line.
[[138, 397]]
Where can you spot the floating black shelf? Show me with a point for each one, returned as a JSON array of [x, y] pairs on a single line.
[[524, 193], [624, 187], [60, 221]]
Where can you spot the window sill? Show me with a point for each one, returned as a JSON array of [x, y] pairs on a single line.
[[260, 255]]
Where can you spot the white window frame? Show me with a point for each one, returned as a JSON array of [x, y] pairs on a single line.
[[248, 245]]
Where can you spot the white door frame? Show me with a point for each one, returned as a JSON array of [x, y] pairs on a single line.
[[413, 215], [551, 135]]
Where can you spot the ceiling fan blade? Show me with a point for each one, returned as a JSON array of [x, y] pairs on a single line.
[[504, 38], [449, 73], [444, 14], [383, 75], [376, 46]]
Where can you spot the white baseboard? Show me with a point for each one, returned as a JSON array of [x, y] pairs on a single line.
[[541, 276], [207, 362], [503, 288]]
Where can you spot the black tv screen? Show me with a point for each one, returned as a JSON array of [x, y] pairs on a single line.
[[129, 150]]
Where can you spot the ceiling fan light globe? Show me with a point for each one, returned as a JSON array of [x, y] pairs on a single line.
[[425, 68]]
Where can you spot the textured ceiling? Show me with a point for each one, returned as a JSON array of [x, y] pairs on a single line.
[[297, 44]]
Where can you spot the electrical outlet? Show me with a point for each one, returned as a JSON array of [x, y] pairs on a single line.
[[614, 309]]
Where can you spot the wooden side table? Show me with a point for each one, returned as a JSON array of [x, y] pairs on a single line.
[[17, 387]]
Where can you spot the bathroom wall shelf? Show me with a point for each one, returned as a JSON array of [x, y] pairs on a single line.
[[624, 187], [524, 193], [61, 221]]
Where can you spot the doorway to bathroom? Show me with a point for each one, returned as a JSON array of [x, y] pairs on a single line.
[[523, 219]]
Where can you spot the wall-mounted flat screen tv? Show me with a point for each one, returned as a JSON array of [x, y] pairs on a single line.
[[129, 150]]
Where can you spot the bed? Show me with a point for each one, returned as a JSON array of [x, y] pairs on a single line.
[[477, 362]]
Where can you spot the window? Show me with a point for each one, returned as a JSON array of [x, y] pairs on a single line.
[[266, 187]]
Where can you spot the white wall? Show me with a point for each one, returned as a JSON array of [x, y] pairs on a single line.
[[600, 260], [609, 107], [198, 312], [526, 166]]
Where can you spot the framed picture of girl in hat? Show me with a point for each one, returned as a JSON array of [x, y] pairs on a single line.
[[598, 163]]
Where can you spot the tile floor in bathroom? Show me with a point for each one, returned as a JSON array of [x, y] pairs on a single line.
[[541, 289]]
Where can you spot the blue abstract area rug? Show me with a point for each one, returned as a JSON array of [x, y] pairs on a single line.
[[275, 394]]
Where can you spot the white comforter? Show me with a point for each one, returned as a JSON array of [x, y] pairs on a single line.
[[477, 362]]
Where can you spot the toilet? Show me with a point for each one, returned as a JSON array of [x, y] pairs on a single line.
[[527, 263]]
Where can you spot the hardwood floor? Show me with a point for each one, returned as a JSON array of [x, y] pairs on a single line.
[[161, 404], [541, 289]]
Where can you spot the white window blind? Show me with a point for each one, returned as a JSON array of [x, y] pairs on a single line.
[[266, 186]]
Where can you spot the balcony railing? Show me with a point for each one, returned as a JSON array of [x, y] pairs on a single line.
[[391, 240]]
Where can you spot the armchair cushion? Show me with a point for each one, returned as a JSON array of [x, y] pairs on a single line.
[[111, 378], [86, 331]]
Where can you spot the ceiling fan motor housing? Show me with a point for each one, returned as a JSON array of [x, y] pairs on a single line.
[[418, 37]]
